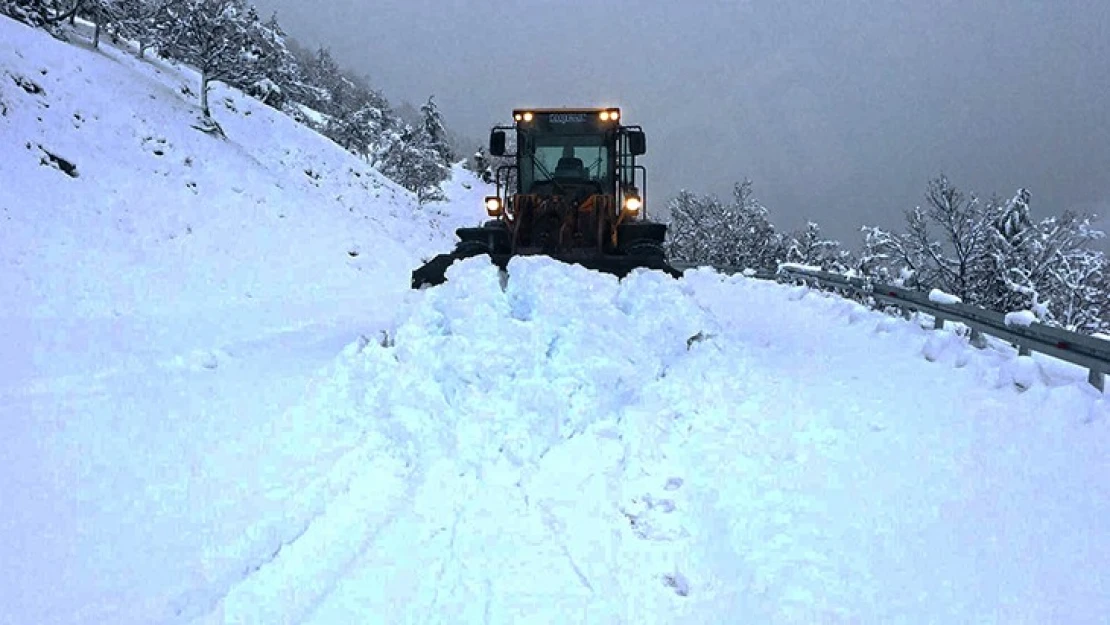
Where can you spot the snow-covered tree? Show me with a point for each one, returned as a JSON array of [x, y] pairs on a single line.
[[755, 244], [1013, 221], [362, 120], [690, 235], [214, 36], [103, 14], [1050, 267], [435, 133], [479, 163], [361, 123], [141, 20], [808, 247], [956, 261], [994, 255], [704, 229], [329, 86], [276, 75], [48, 15], [37, 13], [405, 157]]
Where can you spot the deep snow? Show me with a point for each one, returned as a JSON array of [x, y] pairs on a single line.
[[213, 413]]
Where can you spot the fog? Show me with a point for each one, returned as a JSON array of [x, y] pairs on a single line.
[[839, 111]]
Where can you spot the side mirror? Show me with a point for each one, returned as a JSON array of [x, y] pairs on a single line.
[[637, 143], [497, 143]]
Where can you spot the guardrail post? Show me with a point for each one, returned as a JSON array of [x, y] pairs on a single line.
[[1097, 379], [1023, 350], [976, 339], [938, 322]]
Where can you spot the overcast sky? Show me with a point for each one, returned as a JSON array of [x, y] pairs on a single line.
[[838, 110]]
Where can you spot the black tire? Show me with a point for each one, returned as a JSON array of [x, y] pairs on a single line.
[[639, 238], [644, 248]]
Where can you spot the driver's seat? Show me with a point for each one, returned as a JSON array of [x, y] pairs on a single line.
[[570, 166]]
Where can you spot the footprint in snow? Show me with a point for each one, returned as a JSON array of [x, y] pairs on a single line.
[[678, 583]]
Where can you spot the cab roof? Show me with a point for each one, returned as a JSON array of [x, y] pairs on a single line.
[[542, 110]]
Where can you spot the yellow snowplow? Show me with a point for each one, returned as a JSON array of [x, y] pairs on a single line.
[[574, 192]]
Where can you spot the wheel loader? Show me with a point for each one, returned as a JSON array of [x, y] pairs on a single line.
[[573, 192]]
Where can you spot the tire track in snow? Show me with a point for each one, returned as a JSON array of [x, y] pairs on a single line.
[[303, 571], [357, 474]]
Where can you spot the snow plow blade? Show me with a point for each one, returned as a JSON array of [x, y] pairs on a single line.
[[434, 272]]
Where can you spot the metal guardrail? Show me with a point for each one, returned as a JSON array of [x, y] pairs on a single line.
[[1085, 351]]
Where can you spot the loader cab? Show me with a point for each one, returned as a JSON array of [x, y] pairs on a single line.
[[571, 152]]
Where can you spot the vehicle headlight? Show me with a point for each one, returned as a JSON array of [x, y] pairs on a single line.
[[493, 206]]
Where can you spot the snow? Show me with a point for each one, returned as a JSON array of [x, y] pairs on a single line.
[[221, 403], [312, 114], [798, 267], [1020, 318], [940, 297]]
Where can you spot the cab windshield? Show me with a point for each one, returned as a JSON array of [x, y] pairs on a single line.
[[567, 158]]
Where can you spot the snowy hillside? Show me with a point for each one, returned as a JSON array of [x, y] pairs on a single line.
[[148, 273], [273, 218], [221, 403]]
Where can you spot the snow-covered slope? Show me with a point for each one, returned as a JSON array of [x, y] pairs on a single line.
[[246, 424], [154, 296], [150, 192]]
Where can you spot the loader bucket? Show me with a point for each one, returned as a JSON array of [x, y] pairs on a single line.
[[434, 271]]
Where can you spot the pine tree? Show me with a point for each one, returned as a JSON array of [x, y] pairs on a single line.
[[357, 129], [434, 132], [808, 247], [328, 82], [480, 165], [405, 157], [276, 73]]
